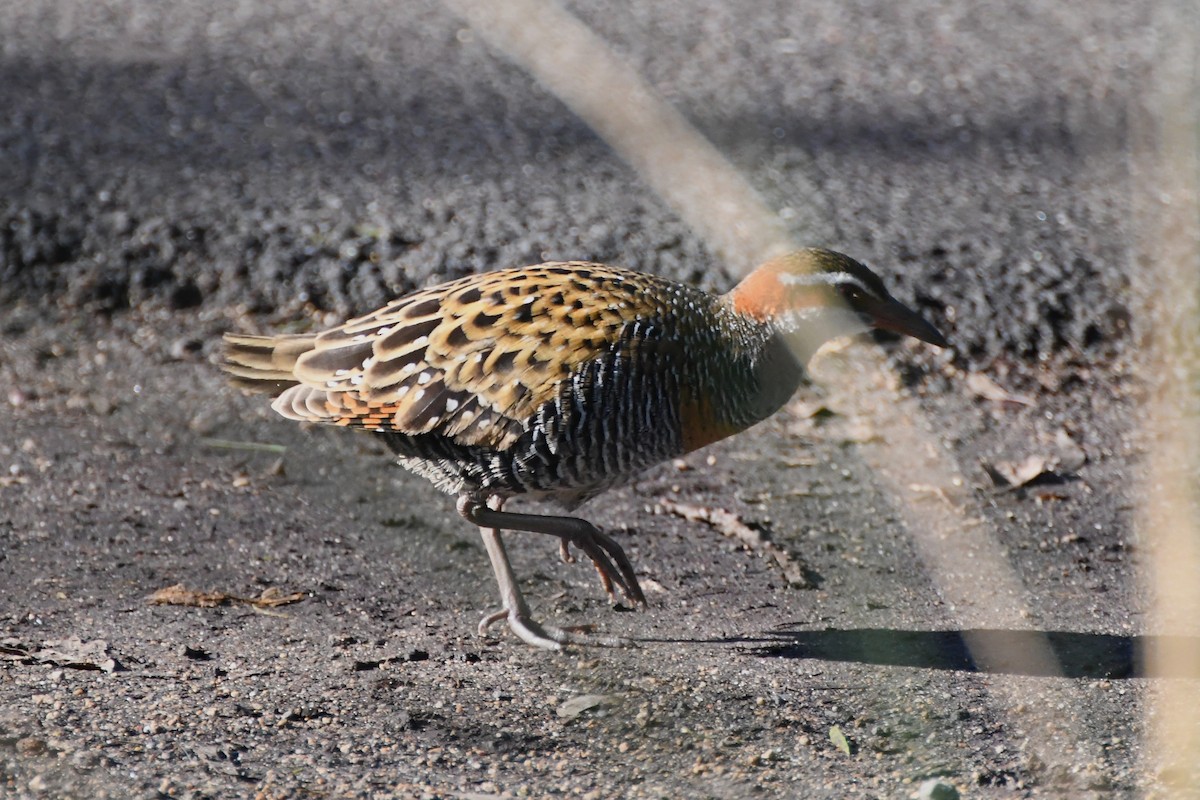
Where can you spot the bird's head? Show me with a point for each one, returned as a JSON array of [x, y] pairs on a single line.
[[814, 295]]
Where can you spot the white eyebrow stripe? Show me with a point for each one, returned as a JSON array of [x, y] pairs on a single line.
[[818, 278]]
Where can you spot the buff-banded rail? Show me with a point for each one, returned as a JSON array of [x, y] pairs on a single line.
[[564, 379]]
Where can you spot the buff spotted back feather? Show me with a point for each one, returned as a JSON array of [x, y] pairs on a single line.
[[470, 360]]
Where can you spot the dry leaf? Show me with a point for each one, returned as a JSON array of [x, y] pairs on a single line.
[[75, 653], [72, 653], [840, 741], [273, 597], [1013, 474], [572, 708], [729, 524], [1070, 455], [179, 595]]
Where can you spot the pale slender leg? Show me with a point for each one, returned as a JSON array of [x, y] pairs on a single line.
[[599, 547], [514, 606], [515, 610]]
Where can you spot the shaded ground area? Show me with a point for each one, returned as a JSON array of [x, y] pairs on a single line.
[[172, 175]]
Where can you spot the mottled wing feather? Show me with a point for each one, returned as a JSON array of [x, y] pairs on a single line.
[[472, 359]]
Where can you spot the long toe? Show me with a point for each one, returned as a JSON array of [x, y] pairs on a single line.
[[603, 552], [491, 619], [629, 582], [549, 637]]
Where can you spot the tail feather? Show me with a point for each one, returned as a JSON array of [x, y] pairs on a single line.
[[264, 364]]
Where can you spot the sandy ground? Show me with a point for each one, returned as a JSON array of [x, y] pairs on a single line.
[[171, 174]]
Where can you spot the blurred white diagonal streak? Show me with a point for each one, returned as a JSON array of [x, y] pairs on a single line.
[[960, 552], [1167, 205], [579, 68]]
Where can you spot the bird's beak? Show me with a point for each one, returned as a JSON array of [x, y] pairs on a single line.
[[894, 316]]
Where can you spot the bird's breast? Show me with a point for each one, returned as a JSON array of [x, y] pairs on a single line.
[[735, 393], [701, 423]]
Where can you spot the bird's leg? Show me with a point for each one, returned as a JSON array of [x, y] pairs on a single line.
[[599, 547], [515, 609]]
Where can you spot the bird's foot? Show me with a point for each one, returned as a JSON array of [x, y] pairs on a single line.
[[610, 561], [547, 637]]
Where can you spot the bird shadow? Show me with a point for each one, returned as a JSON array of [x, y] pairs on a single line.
[[989, 651]]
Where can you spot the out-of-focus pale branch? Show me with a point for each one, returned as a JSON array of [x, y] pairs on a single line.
[[1167, 212], [675, 160]]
